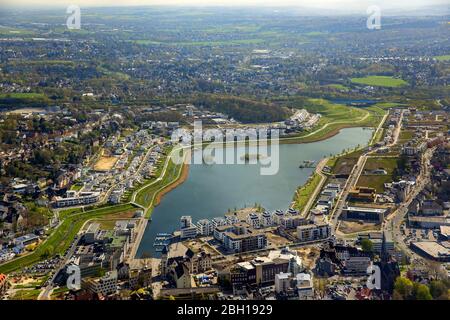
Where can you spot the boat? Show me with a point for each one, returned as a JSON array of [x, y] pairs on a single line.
[[163, 234], [307, 164], [162, 239]]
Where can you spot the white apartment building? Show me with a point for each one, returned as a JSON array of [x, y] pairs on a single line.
[[253, 219], [76, 199], [104, 286], [266, 219], [311, 232], [305, 286], [205, 227], [282, 282]]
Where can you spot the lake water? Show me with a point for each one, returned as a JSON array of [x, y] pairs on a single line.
[[210, 190], [355, 102]]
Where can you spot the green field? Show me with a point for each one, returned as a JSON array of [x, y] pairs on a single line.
[[24, 294], [374, 180], [406, 135], [337, 86], [305, 192], [380, 81], [335, 117], [344, 164], [443, 58], [27, 95], [387, 163], [387, 105], [4, 31]]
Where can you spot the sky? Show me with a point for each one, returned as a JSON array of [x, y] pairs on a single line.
[[328, 4]]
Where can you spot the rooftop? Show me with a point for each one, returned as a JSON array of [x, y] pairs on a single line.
[[433, 249]]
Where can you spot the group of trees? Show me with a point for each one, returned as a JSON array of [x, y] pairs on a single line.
[[406, 289], [241, 109]]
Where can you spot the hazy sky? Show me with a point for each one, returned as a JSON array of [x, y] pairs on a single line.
[[329, 4]]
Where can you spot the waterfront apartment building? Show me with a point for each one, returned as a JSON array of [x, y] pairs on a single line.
[[74, 198], [185, 222], [187, 229], [240, 237], [219, 221], [220, 231], [205, 227], [253, 219], [188, 233], [311, 232], [292, 222], [244, 242], [266, 219], [277, 216]]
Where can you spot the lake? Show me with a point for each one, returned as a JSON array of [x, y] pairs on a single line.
[[210, 190]]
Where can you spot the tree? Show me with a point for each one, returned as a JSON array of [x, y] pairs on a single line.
[[436, 271], [423, 292], [403, 287], [438, 289], [367, 245]]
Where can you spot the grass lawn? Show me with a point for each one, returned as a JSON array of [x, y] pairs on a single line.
[[338, 86], [380, 81], [76, 187], [18, 95], [109, 221], [387, 105], [379, 136], [387, 163], [375, 180], [405, 135], [345, 163], [31, 294], [305, 192], [336, 117], [443, 58]]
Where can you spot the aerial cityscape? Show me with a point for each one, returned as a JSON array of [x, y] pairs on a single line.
[[224, 153]]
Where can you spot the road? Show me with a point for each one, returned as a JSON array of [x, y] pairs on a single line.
[[356, 173], [46, 293], [322, 163], [380, 126], [393, 223]]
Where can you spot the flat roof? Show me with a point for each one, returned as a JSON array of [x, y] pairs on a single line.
[[432, 248], [441, 219], [365, 209], [445, 231]]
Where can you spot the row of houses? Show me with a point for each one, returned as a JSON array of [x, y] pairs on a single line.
[[327, 199]]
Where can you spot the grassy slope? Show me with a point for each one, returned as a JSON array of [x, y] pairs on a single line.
[[380, 81], [303, 193], [336, 117]]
